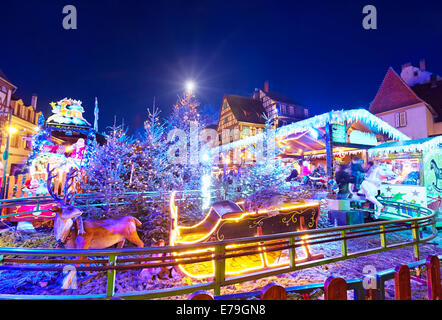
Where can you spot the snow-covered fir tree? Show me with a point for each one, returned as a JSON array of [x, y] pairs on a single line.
[[110, 168], [266, 174]]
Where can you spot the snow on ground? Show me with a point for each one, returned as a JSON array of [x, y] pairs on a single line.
[[49, 283]]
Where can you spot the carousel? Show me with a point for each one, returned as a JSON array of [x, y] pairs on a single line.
[[418, 168]]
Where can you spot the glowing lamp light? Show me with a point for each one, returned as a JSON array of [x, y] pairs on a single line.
[[205, 157], [69, 148], [190, 86], [12, 130]]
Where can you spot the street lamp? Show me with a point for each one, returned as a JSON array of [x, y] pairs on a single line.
[[190, 86], [11, 131]]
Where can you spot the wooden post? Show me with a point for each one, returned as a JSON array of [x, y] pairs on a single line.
[[335, 289], [292, 252], [402, 285], [415, 232], [273, 291], [220, 268], [110, 287], [343, 243], [433, 278], [200, 295], [383, 237]]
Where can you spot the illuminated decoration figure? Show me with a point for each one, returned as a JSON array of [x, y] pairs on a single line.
[[68, 111], [371, 185], [78, 149], [55, 160], [226, 220], [96, 115]]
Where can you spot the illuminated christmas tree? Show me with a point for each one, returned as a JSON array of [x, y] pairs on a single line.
[[110, 168], [266, 175]]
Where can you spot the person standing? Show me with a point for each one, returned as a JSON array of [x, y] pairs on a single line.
[[342, 178], [357, 172]]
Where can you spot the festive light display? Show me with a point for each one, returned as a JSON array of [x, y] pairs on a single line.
[[68, 111], [334, 117], [424, 179], [229, 215]]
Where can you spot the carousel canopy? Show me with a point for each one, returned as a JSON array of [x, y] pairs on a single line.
[[407, 146], [352, 129]]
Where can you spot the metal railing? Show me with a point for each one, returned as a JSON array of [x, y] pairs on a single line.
[[113, 260], [95, 200]]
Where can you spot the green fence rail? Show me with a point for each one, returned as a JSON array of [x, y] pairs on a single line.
[[97, 200], [111, 261]]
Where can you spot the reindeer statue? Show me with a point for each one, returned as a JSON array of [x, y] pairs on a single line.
[[371, 185], [88, 234]]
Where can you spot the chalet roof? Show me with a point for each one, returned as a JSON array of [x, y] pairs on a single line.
[[393, 93], [4, 77], [280, 97], [431, 93], [246, 109], [15, 97]]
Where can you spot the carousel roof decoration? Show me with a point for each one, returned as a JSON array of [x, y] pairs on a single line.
[[67, 112], [297, 130], [418, 145]]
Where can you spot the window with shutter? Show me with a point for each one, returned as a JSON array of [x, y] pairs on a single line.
[[403, 119]]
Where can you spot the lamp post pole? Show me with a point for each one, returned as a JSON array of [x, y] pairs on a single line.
[[6, 156]]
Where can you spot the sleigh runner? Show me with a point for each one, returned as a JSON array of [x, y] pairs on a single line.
[[226, 220]]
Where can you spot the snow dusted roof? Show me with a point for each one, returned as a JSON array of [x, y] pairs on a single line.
[[370, 121]]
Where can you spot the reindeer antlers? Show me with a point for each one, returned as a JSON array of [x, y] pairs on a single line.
[[49, 182], [68, 195]]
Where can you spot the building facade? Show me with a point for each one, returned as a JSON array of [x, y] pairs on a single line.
[[411, 101], [283, 109], [241, 117], [21, 127]]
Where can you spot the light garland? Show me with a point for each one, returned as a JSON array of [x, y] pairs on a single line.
[[421, 145], [334, 117]]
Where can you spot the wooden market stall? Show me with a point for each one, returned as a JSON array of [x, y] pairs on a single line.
[[418, 164]]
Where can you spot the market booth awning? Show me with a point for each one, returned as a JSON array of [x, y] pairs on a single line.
[[344, 130], [431, 143]]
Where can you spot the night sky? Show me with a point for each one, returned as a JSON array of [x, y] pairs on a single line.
[[127, 52]]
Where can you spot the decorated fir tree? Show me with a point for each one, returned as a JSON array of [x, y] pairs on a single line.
[[38, 141], [188, 165], [110, 167], [264, 179]]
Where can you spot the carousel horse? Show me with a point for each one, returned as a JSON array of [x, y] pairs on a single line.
[[371, 185], [437, 173]]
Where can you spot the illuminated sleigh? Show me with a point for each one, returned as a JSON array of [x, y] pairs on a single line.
[[227, 221]]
